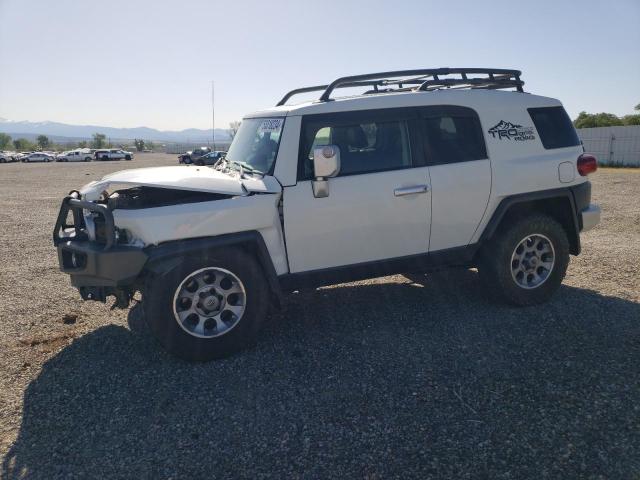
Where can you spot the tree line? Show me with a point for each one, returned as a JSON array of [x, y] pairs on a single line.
[[591, 120], [42, 142]]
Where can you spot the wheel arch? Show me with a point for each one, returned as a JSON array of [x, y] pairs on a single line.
[[166, 256], [557, 203]]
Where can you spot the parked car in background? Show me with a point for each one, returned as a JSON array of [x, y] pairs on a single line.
[[8, 157], [74, 156], [210, 158], [113, 154], [38, 157], [192, 155]]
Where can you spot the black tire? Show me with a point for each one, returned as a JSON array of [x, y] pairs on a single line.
[[158, 297], [127, 157], [495, 261], [87, 159]]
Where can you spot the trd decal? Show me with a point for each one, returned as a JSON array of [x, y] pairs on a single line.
[[511, 131]]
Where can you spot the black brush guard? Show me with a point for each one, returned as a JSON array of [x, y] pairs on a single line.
[[72, 203], [97, 268]]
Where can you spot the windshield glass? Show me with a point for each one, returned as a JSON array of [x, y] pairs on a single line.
[[256, 143]]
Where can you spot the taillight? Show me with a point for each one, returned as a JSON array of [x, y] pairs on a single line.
[[587, 164]]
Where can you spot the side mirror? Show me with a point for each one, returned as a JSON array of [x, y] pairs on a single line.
[[326, 164]]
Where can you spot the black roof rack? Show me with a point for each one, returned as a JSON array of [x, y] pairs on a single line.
[[419, 80]]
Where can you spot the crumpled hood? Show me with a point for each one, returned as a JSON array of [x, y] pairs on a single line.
[[187, 177]]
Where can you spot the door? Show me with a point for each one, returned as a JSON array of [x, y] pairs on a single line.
[[460, 173], [378, 207]]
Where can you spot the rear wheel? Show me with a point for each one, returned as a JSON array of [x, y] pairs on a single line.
[[207, 308], [526, 261]]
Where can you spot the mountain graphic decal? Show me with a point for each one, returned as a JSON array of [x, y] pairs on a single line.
[[502, 125]]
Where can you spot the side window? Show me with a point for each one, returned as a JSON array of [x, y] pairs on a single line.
[[366, 145], [554, 127], [454, 135]]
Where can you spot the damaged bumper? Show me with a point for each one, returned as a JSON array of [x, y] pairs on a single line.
[[97, 269]]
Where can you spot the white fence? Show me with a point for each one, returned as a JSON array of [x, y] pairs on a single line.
[[613, 145]]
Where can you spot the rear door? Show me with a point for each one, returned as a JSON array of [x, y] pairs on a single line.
[[378, 207], [460, 172]]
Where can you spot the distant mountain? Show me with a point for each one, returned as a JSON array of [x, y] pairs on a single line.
[[82, 132]]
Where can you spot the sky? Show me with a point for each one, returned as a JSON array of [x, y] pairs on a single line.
[[151, 62]]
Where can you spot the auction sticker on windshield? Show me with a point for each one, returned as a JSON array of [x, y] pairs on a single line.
[[270, 125]]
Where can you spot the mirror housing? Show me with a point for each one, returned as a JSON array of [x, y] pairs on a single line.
[[326, 164]]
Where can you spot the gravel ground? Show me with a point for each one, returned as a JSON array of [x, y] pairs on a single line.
[[386, 378]]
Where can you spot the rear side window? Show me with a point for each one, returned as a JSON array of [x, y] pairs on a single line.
[[454, 135], [554, 127]]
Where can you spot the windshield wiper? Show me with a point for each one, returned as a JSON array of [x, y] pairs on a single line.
[[243, 167]]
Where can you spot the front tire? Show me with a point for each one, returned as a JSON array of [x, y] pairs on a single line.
[[207, 307], [526, 261]]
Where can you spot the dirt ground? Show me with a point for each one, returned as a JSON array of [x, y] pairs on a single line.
[[386, 378]]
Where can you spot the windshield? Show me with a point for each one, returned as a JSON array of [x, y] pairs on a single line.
[[255, 145]]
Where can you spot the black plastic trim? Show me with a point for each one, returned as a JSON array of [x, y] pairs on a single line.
[[115, 267], [508, 202], [582, 198], [459, 256], [72, 203]]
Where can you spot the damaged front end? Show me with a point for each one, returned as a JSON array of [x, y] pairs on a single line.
[[102, 259], [106, 233], [92, 252]]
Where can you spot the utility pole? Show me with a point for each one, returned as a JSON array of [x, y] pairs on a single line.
[[213, 115]]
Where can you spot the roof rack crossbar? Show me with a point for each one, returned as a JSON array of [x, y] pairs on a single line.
[[426, 80]]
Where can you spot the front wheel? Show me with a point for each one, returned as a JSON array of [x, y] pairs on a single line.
[[207, 308], [525, 262]]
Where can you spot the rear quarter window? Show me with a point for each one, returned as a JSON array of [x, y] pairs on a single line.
[[554, 127]]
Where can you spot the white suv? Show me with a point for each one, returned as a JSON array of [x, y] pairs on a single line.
[[425, 169]]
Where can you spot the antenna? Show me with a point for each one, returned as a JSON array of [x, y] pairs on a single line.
[[213, 114]]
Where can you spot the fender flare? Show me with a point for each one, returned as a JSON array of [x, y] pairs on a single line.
[[557, 193], [166, 256]]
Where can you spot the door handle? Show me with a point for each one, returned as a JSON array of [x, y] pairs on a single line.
[[399, 192]]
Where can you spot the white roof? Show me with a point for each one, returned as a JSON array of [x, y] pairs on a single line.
[[478, 99]]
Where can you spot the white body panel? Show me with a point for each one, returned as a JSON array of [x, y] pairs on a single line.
[[194, 178], [460, 193], [152, 226], [360, 221]]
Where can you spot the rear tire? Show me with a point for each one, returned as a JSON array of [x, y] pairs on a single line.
[[190, 338], [526, 261]]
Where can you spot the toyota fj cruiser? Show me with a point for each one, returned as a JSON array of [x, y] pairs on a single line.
[[426, 168]]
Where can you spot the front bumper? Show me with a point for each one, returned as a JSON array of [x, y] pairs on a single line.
[[590, 217], [97, 269], [89, 265]]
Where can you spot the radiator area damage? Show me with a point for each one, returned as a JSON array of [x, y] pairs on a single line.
[[151, 197]]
